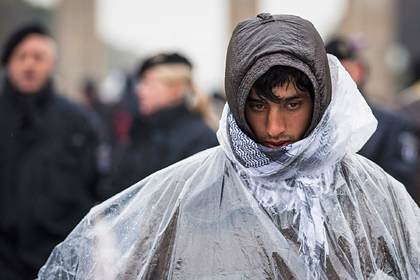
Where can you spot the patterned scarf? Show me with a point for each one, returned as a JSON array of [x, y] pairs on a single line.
[[277, 195]]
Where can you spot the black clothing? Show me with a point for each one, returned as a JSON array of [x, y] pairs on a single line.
[[47, 176], [412, 112], [393, 147], [157, 141]]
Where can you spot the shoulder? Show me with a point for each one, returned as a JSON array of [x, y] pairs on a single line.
[[192, 128], [70, 111], [66, 105], [192, 121], [389, 117], [362, 169], [5, 103], [134, 217], [168, 179]]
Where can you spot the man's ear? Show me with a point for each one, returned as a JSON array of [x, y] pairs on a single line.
[[360, 72], [356, 69]]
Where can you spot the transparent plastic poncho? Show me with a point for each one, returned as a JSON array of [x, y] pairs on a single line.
[[313, 210]]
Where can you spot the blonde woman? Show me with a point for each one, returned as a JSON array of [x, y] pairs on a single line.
[[175, 120]]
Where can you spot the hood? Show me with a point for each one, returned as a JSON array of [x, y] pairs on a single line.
[[344, 128], [297, 175], [267, 40]]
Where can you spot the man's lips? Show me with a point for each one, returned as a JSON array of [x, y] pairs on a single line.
[[276, 144], [29, 76]]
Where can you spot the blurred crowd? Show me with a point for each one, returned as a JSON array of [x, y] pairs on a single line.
[[59, 158]]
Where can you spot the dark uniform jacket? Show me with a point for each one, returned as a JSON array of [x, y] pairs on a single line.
[[393, 147], [158, 141], [47, 176], [412, 112]]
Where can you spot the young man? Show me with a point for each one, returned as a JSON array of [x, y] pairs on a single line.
[[48, 171], [284, 196]]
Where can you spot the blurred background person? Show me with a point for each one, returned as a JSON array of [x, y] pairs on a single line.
[[409, 98], [92, 100], [48, 167], [175, 121], [393, 146], [118, 95], [409, 102], [100, 119]]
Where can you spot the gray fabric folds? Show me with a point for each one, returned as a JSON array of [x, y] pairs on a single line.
[[267, 40]]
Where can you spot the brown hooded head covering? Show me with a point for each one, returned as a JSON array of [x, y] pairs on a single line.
[[267, 40]]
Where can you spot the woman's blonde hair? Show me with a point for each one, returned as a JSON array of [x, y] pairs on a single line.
[[196, 101]]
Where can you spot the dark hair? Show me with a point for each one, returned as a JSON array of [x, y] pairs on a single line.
[[342, 48], [281, 76], [17, 36]]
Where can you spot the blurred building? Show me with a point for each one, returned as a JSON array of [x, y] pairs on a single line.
[[374, 25], [72, 23], [409, 31], [13, 11], [81, 53], [241, 9], [389, 32], [382, 25]]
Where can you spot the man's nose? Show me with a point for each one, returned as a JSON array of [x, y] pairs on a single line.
[[275, 123], [28, 62]]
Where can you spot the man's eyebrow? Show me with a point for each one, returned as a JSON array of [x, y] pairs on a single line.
[[251, 99], [297, 95]]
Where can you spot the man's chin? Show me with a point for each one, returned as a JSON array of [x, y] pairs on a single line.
[[29, 88]]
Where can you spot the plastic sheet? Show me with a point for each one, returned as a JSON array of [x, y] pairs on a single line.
[[323, 212]]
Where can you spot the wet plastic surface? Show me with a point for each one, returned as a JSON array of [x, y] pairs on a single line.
[[322, 212]]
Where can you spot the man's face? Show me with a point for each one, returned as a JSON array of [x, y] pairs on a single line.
[[155, 94], [279, 124], [31, 63]]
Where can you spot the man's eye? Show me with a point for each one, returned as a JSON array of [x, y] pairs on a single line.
[[38, 57], [258, 106], [293, 105], [21, 56]]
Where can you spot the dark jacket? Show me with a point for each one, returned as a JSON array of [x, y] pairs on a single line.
[[47, 176], [412, 112], [158, 141], [393, 146]]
